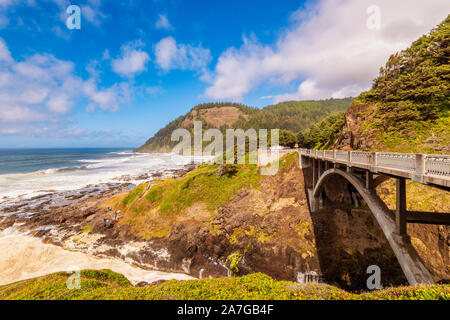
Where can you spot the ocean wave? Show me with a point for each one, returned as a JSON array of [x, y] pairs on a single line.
[[123, 152], [111, 160], [90, 164], [53, 171], [72, 168], [81, 174]]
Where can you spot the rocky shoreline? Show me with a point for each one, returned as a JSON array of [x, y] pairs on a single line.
[[75, 221]]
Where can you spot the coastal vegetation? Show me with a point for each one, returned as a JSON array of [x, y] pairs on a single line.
[[323, 134], [408, 107], [420, 197], [107, 285]]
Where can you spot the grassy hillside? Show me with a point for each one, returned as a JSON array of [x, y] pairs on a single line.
[[107, 285], [152, 212], [408, 107], [293, 116]]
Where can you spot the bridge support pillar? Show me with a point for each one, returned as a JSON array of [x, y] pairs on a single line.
[[315, 172], [400, 208], [369, 180], [320, 171], [305, 162], [314, 202]]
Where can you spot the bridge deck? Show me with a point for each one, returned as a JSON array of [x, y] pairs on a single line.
[[422, 168]]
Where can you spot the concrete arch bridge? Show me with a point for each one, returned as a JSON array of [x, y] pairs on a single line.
[[364, 171]]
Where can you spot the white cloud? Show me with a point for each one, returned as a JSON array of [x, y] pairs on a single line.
[[60, 103], [170, 55], [6, 3], [132, 60], [93, 15], [38, 92], [163, 22], [5, 55], [108, 99], [152, 90], [328, 46]]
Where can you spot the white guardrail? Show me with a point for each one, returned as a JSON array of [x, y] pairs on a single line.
[[416, 166]]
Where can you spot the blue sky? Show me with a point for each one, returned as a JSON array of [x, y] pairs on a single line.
[[135, 65]]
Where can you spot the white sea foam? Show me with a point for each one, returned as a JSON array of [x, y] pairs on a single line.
[[24, 257], [108, 170]]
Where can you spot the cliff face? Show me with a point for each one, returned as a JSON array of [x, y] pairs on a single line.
[[353, 137]]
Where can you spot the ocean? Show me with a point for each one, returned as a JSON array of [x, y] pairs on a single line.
[[31, 160], [30, 172], [54, 175]]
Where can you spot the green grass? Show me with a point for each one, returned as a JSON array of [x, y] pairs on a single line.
[[152, 214], [204, 185], [234, 260], [107, 285], [155, 194], [413, 138], [173, 196], [287, 160], [134, 194]]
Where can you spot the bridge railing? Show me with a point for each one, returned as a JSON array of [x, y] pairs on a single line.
[[360, 157], [437, 165], [397, 160], [342, 155], [329, 154], [415, 166]]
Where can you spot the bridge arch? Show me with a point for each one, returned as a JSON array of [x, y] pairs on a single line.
[[379, 180], [415, 271]]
